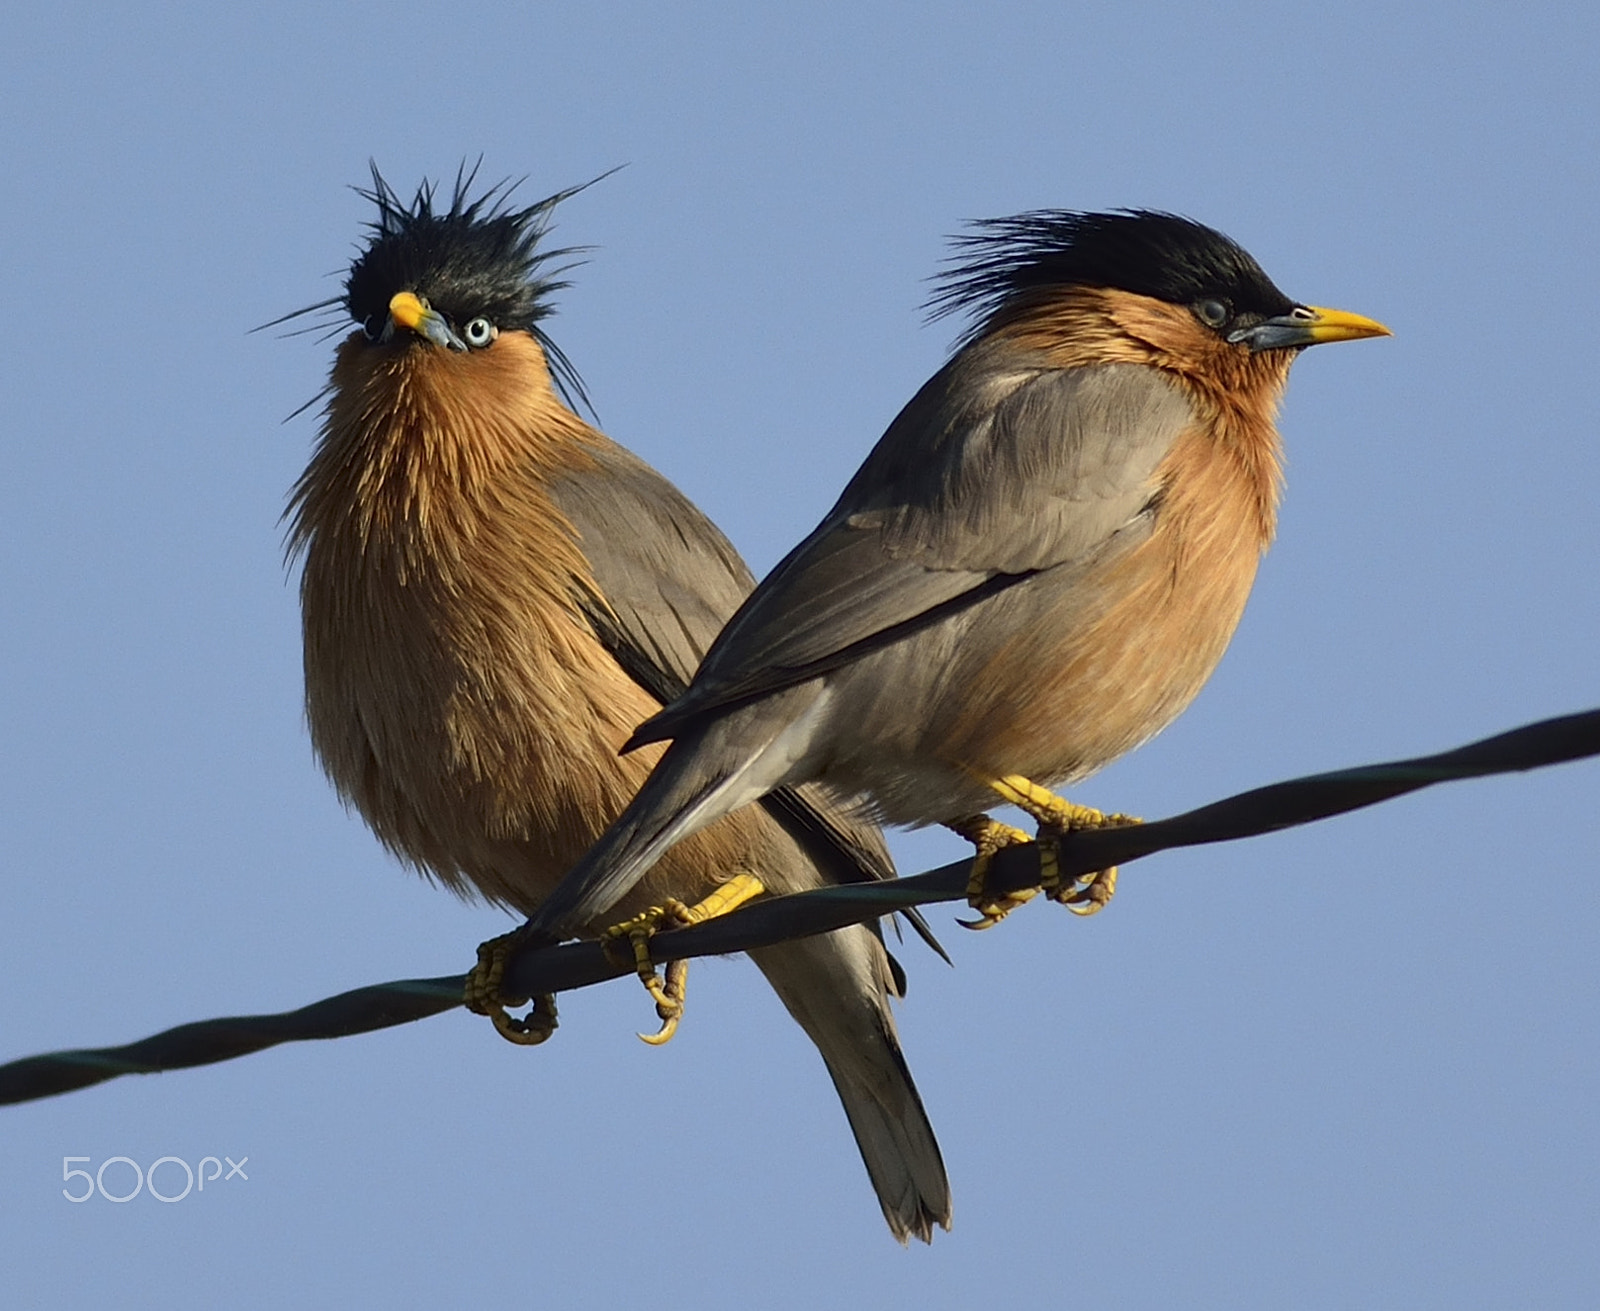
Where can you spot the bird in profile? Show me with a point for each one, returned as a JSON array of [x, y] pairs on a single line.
[[1033, 572], [495, 594]]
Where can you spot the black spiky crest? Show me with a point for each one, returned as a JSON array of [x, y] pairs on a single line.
[[1147, 252], [478, 257]]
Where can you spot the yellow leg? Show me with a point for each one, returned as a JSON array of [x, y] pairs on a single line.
[[1089, 893], [484, 997], [989, 835], [669, 990]]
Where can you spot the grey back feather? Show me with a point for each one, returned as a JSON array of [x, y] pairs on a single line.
[[1042, 470], [997, 469]]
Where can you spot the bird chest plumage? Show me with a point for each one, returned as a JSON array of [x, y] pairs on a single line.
[[450, 675]]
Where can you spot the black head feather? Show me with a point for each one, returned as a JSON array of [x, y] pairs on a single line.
[[478, 257], [1165, 256]]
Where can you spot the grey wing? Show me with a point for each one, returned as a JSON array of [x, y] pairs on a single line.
[[668, 580], [994, 472], [667, 577]]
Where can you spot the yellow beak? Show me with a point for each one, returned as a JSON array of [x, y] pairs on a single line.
[[1341, 325], [409, 311], [1307, 325]]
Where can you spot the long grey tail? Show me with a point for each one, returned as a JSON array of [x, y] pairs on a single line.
[[835, 985]]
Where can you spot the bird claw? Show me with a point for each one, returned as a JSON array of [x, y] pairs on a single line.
[[669, 987], [669, 994], [1086, 895], [1052, 812], [482, 995], [988, 836], [991, 912], [1089, 894]]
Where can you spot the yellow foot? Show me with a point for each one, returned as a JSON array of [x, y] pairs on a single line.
[[989, 836], [483, 996], [1088, 894], [669, 988]]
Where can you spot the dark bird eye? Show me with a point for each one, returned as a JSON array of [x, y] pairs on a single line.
[[1213, 313], [480, 332], [373, 326]]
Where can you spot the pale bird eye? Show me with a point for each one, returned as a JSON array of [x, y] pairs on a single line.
[[1213, 313], [480, 332]]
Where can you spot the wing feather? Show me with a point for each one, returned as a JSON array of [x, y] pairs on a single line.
[[667, 580], [991, 474]]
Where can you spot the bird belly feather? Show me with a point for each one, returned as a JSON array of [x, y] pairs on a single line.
[[1059, 675]]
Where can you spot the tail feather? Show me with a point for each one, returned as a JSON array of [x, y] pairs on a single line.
[[670, 806], [835, 985], [696, 782]]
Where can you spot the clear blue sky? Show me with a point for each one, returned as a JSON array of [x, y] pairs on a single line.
[[1349, 1065]]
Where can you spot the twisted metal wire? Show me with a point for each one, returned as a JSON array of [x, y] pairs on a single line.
[[582, 964]]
